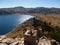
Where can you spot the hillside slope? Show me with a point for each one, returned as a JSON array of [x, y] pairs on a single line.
[[23, 10], [37, 23]]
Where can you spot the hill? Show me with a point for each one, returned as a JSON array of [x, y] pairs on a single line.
[[36, 23], [23, 10], [54, 19]]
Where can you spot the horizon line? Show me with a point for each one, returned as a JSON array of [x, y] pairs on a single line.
[[28, 7]]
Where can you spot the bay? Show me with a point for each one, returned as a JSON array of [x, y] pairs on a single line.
[[10, 21]]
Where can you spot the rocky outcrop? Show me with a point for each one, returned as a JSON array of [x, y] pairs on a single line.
[[27, 39], [10, 41], [45, 41]]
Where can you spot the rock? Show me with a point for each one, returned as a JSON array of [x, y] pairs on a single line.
[[3, 44], [44, 41], [17, 39], [18, 43], [34, 33], [15, 43], [53, 40], [2, 37], [22, 39], [27, 33], [8, 40]]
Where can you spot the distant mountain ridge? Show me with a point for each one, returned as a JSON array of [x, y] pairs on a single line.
[[42, 10]]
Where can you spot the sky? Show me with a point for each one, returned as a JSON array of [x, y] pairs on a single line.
[[29, 3]]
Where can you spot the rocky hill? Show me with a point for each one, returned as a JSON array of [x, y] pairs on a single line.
[[43, 29]]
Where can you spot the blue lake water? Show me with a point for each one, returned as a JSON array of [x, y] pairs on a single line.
[[10, 21]]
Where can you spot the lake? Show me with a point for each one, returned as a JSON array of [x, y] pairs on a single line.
[[10, 21]]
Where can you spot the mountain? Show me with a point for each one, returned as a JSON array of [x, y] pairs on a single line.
[[45, 10], [12, 10], [23, 10]]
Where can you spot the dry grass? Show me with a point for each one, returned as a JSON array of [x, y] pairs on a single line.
[[16, 32], [53, 18]]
